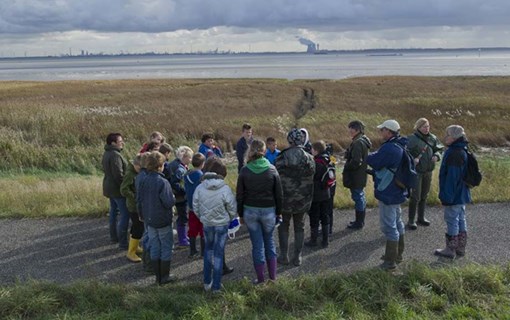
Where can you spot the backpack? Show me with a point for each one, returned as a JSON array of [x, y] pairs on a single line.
[[328, 179], [473, 176], [405, 174]]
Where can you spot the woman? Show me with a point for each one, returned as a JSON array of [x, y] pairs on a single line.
[[425, 148], [259, 201]]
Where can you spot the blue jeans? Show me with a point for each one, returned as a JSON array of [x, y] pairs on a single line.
[[215, 238], [390, 217], [455, 218], [161, 241], [122, 225], [145, 238], [358, 196], [261, 223]]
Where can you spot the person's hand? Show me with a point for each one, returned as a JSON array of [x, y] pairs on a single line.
[[434, 159], [416, 160]]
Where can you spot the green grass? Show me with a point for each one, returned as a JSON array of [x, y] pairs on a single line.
[[469, 292]]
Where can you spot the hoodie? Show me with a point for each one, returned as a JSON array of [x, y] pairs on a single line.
[[213, 202]]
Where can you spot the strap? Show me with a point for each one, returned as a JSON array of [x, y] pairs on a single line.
[[426, 142]]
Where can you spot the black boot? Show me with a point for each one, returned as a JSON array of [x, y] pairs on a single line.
[[299, 240], [314, 233], [325, 235], [164, 271], [193, 247], [146, 262], [359, 222], [283, 237], [155, 267], [400, 252], [390, 256]]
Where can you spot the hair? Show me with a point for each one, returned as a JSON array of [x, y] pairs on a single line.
[[153, 146], [156, 134], [165, 148], [246, 126], [256, 150], [206, 136], [319, 146], [357, 125], [154, 161], [112, 137], [143, 160], [215, 165], [183, 151], [270, 140], [197, 160], [136, 161], [455, 131], [419, 123]]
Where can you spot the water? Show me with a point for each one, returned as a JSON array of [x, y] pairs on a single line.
[[286, 66]]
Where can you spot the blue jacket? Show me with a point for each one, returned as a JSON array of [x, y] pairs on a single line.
[[156, 200], [191, 182], [271, 156], [209, 152], [388, 156], [452, 189], [177, 170]]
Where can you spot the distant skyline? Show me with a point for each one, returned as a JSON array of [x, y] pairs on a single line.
[[55, 27]]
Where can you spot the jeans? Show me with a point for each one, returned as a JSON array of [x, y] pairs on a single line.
[[122, 225], [358, 196], [215, 238], [261, 223], [145, 238], [455, 218], [161, 241], [390, 217]]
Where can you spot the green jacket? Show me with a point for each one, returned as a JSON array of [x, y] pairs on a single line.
[[425, 150], [354, 175], [127, 188], [114, 167]]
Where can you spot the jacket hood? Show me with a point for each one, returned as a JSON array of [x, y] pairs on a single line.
[[365, 140], [212, 181], [403, 141], [460, 143], [109, 147], [259, 165]]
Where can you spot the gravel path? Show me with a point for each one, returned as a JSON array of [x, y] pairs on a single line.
[[64, 250]]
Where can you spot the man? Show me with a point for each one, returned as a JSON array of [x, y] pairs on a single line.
[[242, 145], [389, 194], [114, 167]]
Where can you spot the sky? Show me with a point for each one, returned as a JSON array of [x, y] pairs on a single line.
[[56, 27]]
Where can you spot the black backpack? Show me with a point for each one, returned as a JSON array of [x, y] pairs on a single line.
[[406, 176], [473, 176]]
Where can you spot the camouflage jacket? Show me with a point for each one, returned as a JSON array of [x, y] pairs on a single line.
[[296, 168]]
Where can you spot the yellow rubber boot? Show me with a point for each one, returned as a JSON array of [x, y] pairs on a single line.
[[131, 254], [139, 249]]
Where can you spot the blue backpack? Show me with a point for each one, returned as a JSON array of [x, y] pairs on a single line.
[[405, 174]]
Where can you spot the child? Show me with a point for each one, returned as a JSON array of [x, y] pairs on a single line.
[[215, 206], [321, 196], [208, 148], [156, 202], [146, 255], [191, 182], [243, 144], [272, 152], [155, 137]]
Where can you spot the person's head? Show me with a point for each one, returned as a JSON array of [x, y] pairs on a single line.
[[198, 161], [318, 147], [247, 131], [295, 137], [184, 154], [157, 137], [453, 133], [215, 165], [271, 144], [422, 125], [137, 162], [356, 127], [155, 162], [389, 129], [143, 160], [208, 139], [166, 150], [256, 150], [115, 139], [153, 146]]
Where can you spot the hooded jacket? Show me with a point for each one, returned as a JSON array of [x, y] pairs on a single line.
[[114, 167], [425, 147], [127, 188], [354, 174], [452, 189], [156, 200], [213, 201], [320, 191]]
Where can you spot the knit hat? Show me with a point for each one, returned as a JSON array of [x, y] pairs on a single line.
[[233, 227], [295, 137]]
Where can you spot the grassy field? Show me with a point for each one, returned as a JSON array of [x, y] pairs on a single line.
[[469, 292]]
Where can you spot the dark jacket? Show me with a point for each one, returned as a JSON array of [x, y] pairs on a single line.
[[425, 150], [191, 182], [261, 190], [296, 168], [354, 175], [138, 182], [389, 155], [127, 188], [114, 167], [452, 189], [241, 148], [156, 200], [176, 173], [320, 191]]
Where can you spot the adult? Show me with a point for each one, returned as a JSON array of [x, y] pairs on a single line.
[[296, 168], [243, 144], [453, 192], [354, 175], [389, 194], [114, 167], [259, 200], [425, 149]]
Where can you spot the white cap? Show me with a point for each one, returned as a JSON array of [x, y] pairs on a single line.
[[390, 125]]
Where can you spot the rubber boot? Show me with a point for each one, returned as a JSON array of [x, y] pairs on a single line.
[[193, 247], [146, 259], [226, 269], [325, 235], [451, 246], [131, 253], [461, 244], [401, 247], [139, 249], [314, 233], [155, 267], [359, 222], [283, 238], [299, 239], [259, 270], [422, 221], [202, 246], [271, 268], [165, 275], [412, 215], [181, 235], [390, 256]]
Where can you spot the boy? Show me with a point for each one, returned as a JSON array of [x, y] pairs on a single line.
[[242, 145], [272, 152], [191, 182], [208, 148]]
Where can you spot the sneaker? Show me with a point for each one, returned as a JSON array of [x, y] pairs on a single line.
[[207, 287]]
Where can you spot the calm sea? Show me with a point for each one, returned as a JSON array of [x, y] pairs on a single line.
[[286, 66]]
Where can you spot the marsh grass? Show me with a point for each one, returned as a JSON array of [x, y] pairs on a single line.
[[472, 291]]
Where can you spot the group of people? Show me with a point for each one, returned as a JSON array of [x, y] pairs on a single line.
[[274, 188]]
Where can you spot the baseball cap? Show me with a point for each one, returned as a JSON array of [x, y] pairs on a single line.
[[390, 125]]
